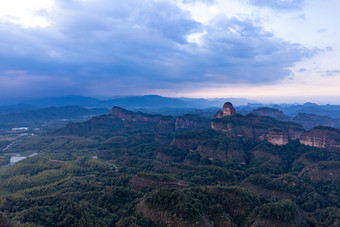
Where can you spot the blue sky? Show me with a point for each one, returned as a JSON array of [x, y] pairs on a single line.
[[271, 51]]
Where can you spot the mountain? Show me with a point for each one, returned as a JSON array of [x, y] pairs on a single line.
[[107, 125], [270, 112], [66, 101], [15, 108], [49, 114], [309, 121], [127, 168], [309, 114], [133, 102], [312, 108], [265, 127]]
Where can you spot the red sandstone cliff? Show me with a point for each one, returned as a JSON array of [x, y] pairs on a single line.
[[274, 131]]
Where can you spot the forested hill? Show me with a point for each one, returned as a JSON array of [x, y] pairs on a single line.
[[142, 170]]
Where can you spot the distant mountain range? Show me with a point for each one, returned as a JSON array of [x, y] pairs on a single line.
[[15, 108], [132, 102], [66, 113], [309, 114], [293, 110]]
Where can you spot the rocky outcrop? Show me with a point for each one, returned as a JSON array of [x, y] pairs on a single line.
[[126, 115], [323, 137], [274, 131], [270, 112], [260, 128], [228, 109], [205, 145], [219, 125], [187, 121], [277, 137]]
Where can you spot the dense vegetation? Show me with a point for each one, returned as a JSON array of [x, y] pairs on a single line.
[[106, 172]]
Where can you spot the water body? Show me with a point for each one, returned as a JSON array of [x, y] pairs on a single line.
[[15, 159]]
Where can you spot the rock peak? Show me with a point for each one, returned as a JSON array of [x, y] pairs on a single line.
[[228, 109]]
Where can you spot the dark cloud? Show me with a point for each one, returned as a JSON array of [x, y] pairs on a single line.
[[279, 4], [134, 46]]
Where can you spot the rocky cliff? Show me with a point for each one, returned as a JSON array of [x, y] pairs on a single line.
[[127, 115], [324, 137], [187, 121], [228, 109], [274, 131], [257, 127]]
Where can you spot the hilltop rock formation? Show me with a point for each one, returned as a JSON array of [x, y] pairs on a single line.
[[274, 131], [228, 109]]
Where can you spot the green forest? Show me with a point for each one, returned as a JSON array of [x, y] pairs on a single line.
[[109, 172]]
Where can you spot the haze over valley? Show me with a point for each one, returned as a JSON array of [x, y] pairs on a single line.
[[169, 113]]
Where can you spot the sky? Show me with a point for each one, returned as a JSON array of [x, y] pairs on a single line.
[[266, 50]]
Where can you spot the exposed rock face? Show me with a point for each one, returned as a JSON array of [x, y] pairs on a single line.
[[260, 128], [228, 109], [188, 121], [277, 137], [220, 126], [274, 131], [295, 134], [127, 115], [323, 137], [270, 112]]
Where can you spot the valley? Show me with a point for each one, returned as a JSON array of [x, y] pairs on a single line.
[[130, 168]]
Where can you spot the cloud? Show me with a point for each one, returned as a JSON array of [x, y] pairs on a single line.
[[322, 30], [330, 72], [279, 4], [244, 52], [21, 83], [203, 1], [136, 45]]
